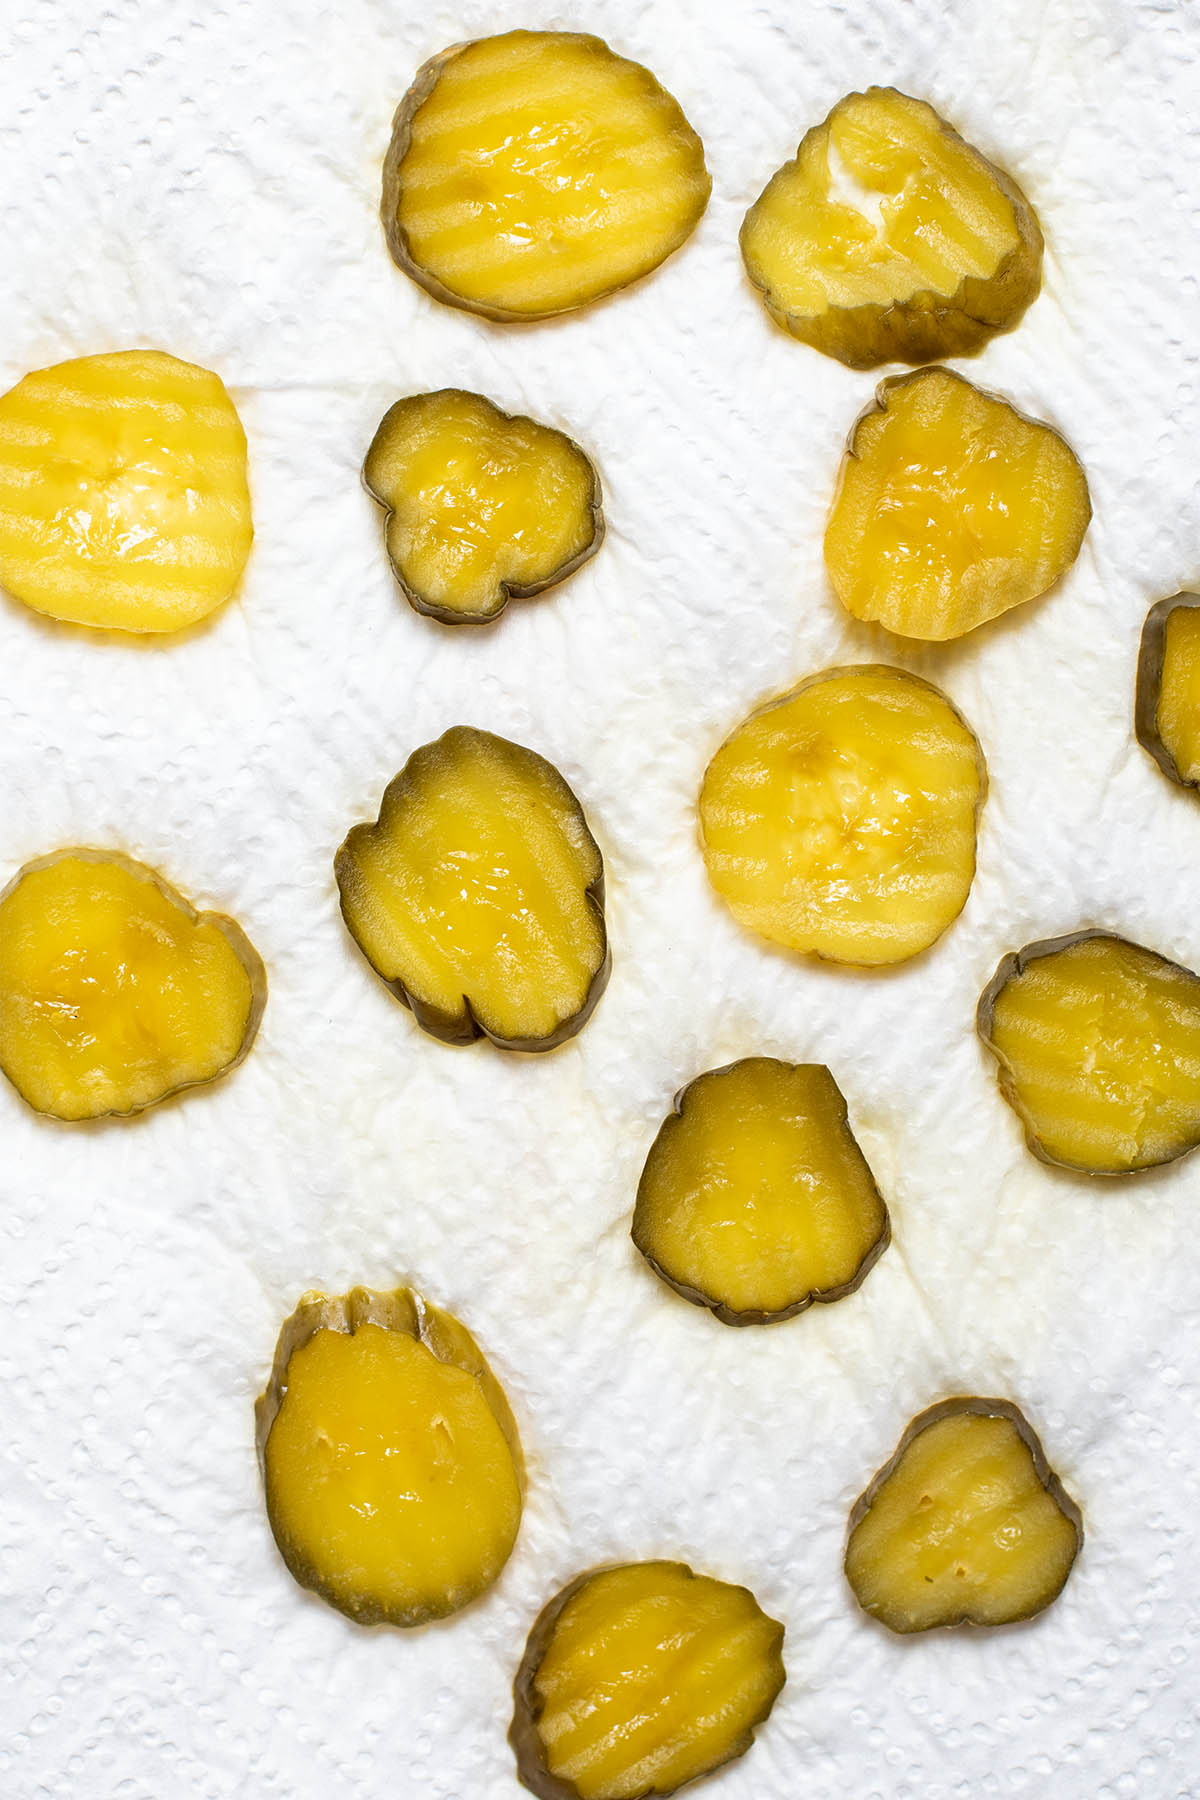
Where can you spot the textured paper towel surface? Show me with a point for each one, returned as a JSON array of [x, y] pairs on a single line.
[[205, 180]]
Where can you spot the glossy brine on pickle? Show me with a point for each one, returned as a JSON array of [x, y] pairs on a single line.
[[890, 239], [1167, 713], [951, 508], [1098, 1045], [483, 507], [840, 820], [756, 1200], [639, 1678], [478, 894], [535, 171]]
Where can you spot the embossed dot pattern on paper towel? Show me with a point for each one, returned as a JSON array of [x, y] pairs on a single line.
[[209, 184]]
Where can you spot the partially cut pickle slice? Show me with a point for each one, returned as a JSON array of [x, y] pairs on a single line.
[[967, 1524], [840, 820], [478, 894], [639, 1678], [114, 991], [533, 172], [483, 506], [1167, 711], [391, 1462], [123, 495], [755, 1199], [1098, 1046], [951, 508], [890, 239]]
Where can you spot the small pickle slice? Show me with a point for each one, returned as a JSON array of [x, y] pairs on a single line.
[[641, 1677], [533, 172], [1167, 711], [966, 1525], [951, 507], [840, 820], [123, 496], [1098, 1042], [391, 1462], [756, 1200], [114, 990], [478, 894], [890, 239], [482, 506]]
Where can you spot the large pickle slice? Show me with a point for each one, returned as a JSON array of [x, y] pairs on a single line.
[[951, 508], [966, 1525], [478, 894], [123, 496], [840, 820], [392, 1466], [483, 507], [1098, 1042], [1167, 712], [755, 1199], [639, 1678], [114, 990], [531, 173], [890, 239]]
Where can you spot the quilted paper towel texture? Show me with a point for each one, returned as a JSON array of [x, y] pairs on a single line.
[[207, 181]]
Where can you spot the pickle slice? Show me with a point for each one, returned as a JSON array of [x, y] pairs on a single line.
[[478, 894], [951, 508], [123, 496], [966, 1525], [1098, 1042], [533, 172], [114, 990], [755, 1200], [391, 1462], [482, 507], [641, 1677], [890, 239], [840, 820], [1167, 712]]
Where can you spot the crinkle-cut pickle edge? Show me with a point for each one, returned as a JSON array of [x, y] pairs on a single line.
[[987, 1408], [728, 1315], [1148, 692]]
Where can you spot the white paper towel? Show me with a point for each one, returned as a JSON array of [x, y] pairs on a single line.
[[206, 180]]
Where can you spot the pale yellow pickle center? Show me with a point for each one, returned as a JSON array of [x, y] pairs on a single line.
[[1179, 699]]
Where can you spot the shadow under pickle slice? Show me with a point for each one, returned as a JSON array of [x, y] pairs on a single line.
[[1167, 708]]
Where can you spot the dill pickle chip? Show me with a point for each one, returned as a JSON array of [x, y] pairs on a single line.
[[1167, 710]]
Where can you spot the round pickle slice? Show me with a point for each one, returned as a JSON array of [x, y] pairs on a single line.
[[890, 239], [755, 1200], [1167, 710], [966, 1525], [840, 820], [114, 991], [391, 1462], [482, 506], [478, 894], [533, 172], [639, 1678], [1098, 1042], [123, 495], [951, 508]]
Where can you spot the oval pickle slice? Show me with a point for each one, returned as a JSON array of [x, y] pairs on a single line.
[[114, 991], [755, 1200], [392, 1467], [477, 895], [482, 506], [1098, 1043], [123, 495], [1167, 710], [639, 1678], [840, 820], [533, 172], [890, 239], [966, 1525], [951, 508]]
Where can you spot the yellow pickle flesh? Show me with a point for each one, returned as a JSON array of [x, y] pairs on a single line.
[[1167, 711]]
